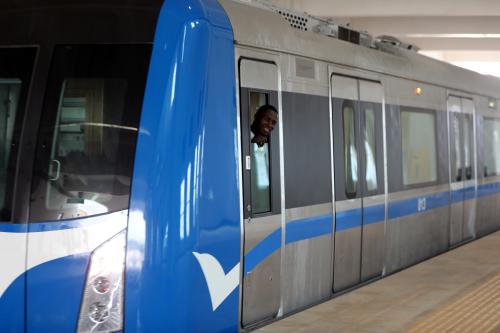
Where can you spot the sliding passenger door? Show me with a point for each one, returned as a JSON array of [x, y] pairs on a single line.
[[348, 202], [462, 180], [359, 200], [261, 295]]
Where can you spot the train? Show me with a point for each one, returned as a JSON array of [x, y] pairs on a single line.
[[213, 166]]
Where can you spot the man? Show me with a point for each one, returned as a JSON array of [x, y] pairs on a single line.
[[264, 121]]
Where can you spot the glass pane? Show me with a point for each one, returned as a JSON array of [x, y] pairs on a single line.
[[260, 171], [370, 150], [456, 146], [16, 66], [418, 133], [350, 153], [491, 144], [468, 146], [87, 139]]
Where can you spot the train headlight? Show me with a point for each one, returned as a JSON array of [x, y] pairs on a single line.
[[102, 304]]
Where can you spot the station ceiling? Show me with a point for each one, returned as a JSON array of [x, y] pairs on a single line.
[[463, 32]]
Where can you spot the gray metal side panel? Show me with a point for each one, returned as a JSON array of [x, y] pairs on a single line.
[[373, 242], [488, 219], [261, 293], [346, 272], [308, 273], [413, 238], [456, 223], [470, 215], [372, 261], [261, 286]]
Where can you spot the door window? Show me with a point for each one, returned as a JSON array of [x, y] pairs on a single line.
[[350, 151], [457, 147], [468, 144], [370, 149]]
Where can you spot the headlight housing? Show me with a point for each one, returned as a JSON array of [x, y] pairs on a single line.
[[102, 304]]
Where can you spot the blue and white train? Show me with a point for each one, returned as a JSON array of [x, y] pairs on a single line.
[[133, 200]]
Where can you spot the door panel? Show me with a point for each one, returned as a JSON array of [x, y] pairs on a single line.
[[469, 176], [348, 219], [372, 260], [261, 196], [462, 183], [359, 181], [456, 169]]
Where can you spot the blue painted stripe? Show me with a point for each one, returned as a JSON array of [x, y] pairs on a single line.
[[488, 189], [303, 229], [264, 249], [348, 219], [14, 228], [457, 196], [407, 207], [307, 228], [470, 193], [374, 214]]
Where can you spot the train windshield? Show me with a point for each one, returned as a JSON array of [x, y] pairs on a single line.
[[88, 131], [16, 66]]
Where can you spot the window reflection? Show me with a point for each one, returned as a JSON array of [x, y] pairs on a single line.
[[457, 147], [88, 131], [418, 133], [350, 152], [467, 146], [370, 149], [491, 147]]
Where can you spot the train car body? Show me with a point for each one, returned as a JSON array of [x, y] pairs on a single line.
[[134, 200]]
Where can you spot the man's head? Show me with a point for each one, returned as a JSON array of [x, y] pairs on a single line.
[[264, 121]]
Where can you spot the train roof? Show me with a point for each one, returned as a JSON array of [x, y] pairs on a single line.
[[265, 29]]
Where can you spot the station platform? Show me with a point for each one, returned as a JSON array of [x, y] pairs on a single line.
[[458, 291]]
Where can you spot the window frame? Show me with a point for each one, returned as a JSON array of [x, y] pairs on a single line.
[[274, 161]]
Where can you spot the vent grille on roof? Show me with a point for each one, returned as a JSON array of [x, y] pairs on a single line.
[[296, 21], [326, 27]]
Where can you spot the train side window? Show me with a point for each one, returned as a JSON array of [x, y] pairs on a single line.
[[370, 149], [87, 137], [260, 162], [350, 152], [16, 66], [418, 134], [491, 145]]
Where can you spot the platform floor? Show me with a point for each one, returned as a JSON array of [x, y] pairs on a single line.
[[458, 291]]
